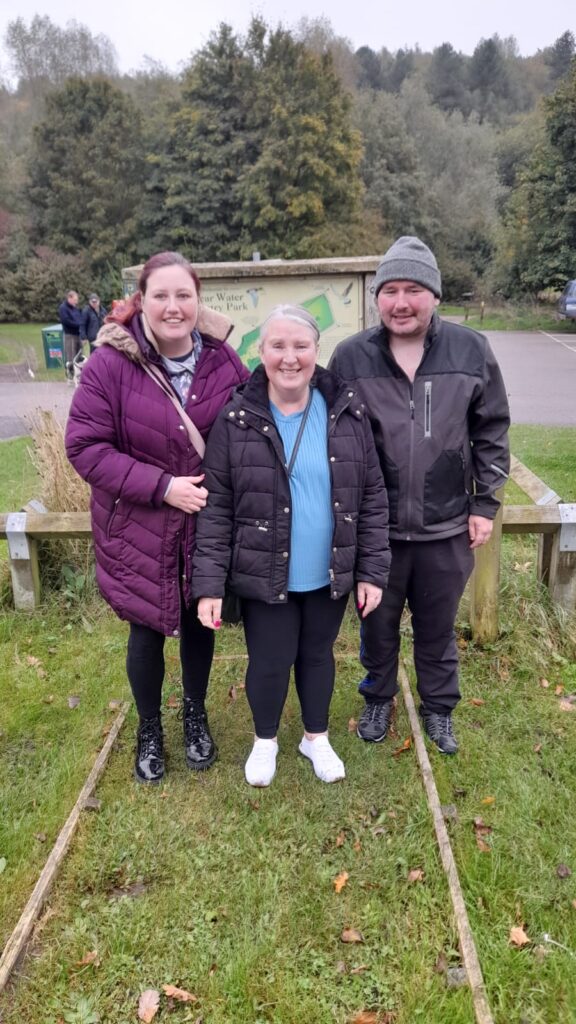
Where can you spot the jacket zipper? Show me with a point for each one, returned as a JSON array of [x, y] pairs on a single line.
[[428, 408], [410, 460]]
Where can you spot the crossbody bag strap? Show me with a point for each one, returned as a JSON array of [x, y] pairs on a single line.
[[193, 432], [301, 428]]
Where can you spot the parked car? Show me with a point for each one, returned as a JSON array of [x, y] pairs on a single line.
[[567, 302]]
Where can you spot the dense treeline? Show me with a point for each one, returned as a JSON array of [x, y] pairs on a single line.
[[289, 143]]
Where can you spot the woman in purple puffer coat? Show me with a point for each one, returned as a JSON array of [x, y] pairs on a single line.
[[127, 439]]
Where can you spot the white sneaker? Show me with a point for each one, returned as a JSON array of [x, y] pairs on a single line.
[[260, 768], [327, 765]]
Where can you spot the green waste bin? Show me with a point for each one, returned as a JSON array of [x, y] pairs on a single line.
[[53, 341]]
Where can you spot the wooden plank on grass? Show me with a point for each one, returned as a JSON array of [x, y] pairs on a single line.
[[467, 944], [15, 945], [539, 492]]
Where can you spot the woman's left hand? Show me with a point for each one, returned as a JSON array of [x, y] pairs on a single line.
[[210, 612], [368, 597]]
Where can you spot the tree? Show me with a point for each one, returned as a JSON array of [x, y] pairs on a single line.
[[44, 54], [560, 55], [537, 246], [488, 78], [446, 80], [306, 174], [87, 171], [369, 71]]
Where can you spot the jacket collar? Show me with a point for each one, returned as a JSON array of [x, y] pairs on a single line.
[[255, 389]]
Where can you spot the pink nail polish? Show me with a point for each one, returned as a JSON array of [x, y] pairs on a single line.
[[217, 624]]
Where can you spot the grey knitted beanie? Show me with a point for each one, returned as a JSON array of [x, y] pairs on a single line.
[[408, 259]]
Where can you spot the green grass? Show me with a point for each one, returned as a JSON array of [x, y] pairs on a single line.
[[228, 892], [22, 343], [510, 318]]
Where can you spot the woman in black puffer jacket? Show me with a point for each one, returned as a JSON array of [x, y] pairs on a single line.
[[296, 518]]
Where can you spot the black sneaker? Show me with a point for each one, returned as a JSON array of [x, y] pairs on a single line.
[[198, 743], [439, 730], [149, 764], [374, 721]]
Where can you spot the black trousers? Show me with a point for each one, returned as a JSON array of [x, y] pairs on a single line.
[[430, 576], [300, 633], [145, 661]]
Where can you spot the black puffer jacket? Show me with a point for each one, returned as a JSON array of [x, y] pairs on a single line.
[[244, 531]]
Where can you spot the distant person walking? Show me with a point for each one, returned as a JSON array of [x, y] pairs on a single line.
[[71, 319], [92, 319]]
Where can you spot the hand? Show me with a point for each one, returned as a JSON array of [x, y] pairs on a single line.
[[479, 530], [185, 493], [368, 597], [210, 612]]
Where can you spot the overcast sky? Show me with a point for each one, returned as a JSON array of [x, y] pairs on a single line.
[[170, 30]]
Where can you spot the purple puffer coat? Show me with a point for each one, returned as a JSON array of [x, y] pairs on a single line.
[[127, 440]]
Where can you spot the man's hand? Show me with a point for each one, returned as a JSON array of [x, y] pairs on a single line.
[[479, 530], [368, 597], [185, 493], [210, 612]]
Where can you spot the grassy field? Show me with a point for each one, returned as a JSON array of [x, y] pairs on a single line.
[[229, 892], [22, 343], [509, 317]]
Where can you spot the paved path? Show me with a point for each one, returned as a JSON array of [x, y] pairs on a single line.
[[539, 370]]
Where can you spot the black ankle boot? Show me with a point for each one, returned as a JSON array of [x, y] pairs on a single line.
[[198, 743], [149, 764]]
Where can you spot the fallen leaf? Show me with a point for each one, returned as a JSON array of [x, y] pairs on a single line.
[[441, 965], [360, 969], [254, 804], [32, 661], [351, 935], [213, 969], [488, 800], [40, 836], [482, 846], [544, 683], [148, 1005], [341, 967], [537, 748], [357, 846], [558, 691], [365, 1017], [566, 704], [405, 746], [574, 904], [352, 725], [180, 994], [340, 881], [173, 701], [449, 812], [518, 937], [477, 702], [415, 875], [563, 871], [92, 803], [114, 705], [341, 838], [89, 958], [73, 702], [480, 828], [48, 698], [456, 977], [131, 889]]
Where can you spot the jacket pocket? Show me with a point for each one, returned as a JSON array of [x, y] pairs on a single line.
[[445, 494], [112, 520]]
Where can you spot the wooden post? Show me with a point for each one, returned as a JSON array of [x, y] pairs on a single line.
[[562, 582], [23, 560], [485, 582]]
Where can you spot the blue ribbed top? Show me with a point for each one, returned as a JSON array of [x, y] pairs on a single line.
[[312, 520]]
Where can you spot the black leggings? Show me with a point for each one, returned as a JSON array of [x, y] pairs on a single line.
[[300, 633], [145, 661]]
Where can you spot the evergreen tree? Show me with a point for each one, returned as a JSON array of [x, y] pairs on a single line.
[[446, 80], [560, 55], [86, 171], [488, 79]]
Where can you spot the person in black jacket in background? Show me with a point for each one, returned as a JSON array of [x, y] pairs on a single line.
[[71, 319], [438, 408], [92, 319], [296, 517]]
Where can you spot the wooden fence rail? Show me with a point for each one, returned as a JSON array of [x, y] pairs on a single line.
[[553, 521]]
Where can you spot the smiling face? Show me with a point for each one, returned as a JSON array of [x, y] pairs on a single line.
[[288, 352], [406, 308], [170, 304]]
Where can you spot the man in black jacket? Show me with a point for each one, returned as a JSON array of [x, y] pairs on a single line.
[[92, 319], [71, 319], [439, 412]]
